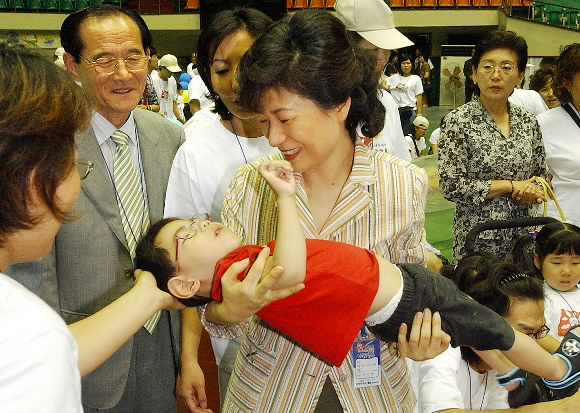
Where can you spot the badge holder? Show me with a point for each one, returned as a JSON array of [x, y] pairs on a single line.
[[366, 361]]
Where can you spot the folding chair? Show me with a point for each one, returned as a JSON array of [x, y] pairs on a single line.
[[397, 3], [413, 3], [316, 4], [496, 3], [430, 3], [192, 5], [446, 3], [463, 3], [480, 3]]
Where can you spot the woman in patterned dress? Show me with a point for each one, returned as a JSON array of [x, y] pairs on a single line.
[[490, 151]]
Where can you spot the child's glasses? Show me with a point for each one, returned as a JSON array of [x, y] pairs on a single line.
[[188, 231]]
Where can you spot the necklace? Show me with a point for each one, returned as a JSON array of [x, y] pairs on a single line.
[[484, 388], [239, 143], [573, 317]]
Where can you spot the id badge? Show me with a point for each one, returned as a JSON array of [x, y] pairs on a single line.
[[366, 361]]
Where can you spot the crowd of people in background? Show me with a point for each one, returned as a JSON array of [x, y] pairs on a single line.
[[112, 138]]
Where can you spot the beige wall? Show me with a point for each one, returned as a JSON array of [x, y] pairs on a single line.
[[542, 39], [177, 34]]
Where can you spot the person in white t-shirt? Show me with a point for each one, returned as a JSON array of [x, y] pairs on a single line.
[[416, 139], [407, 90], [203, 166], [528, 99], [192, 66], [41, 358], [378, 41], [198, 94], [434, 141], [458, 380], [166, 88]]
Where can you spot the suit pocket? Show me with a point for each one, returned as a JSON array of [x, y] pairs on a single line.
[[72, 316]]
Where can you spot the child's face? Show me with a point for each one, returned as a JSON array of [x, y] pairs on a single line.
[[197, 255], [561, 272]]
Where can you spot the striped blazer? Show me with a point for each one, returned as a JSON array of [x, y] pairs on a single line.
[[381, 207]]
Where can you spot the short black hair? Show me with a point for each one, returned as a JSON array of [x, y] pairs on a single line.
[[498, 39], [70, 29], [156, 260], [309, 53], [221, 26]]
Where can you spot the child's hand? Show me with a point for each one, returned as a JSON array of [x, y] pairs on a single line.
[[278, 174]]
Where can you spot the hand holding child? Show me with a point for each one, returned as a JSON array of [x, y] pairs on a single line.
[[278, 174]]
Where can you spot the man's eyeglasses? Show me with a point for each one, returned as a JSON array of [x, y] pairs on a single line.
[[108, 65], [541, 333], [188, 231], [84, 168], [505, 68]]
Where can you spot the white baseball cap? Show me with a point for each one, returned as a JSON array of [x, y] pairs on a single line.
[[373, 20], [421, 122], [170, 62]]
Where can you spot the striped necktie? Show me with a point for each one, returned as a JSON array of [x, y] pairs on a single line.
[[130, 197]]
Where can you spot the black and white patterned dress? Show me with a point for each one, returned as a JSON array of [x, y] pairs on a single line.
[[472, 153]]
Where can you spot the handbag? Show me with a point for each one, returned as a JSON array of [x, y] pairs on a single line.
[[549, 193]]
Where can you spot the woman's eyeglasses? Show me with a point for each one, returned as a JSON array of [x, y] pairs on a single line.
[[541, 333]]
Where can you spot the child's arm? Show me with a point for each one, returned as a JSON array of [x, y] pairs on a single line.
[[290, 250], [527, 354]]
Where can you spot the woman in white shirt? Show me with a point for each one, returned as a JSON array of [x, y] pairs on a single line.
[[41, 358], [407, 89], [561, 134]]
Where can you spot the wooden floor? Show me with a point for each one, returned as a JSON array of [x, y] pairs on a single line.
[[207, 363]]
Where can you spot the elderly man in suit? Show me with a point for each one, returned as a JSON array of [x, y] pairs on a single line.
[[107, 50]]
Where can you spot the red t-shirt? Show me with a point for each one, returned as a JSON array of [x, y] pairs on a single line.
[[326, 316]]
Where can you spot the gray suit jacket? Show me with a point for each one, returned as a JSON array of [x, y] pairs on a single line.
[[92, 265]]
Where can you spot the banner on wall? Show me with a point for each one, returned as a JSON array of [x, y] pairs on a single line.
[[33, 40]]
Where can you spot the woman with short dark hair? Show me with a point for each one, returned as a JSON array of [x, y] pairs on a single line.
[[490, 150]]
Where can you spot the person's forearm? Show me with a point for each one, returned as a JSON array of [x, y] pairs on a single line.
[[290, 251], [177, 113], [419, 105], [101, 334], [191, 330], [499, 187], [567, 405]]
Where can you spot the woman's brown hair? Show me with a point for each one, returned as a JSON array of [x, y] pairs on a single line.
[[41, 108]]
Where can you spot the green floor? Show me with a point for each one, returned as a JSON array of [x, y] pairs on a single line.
[[438, 212]]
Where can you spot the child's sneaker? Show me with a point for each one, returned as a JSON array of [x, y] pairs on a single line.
[[569, 351]]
